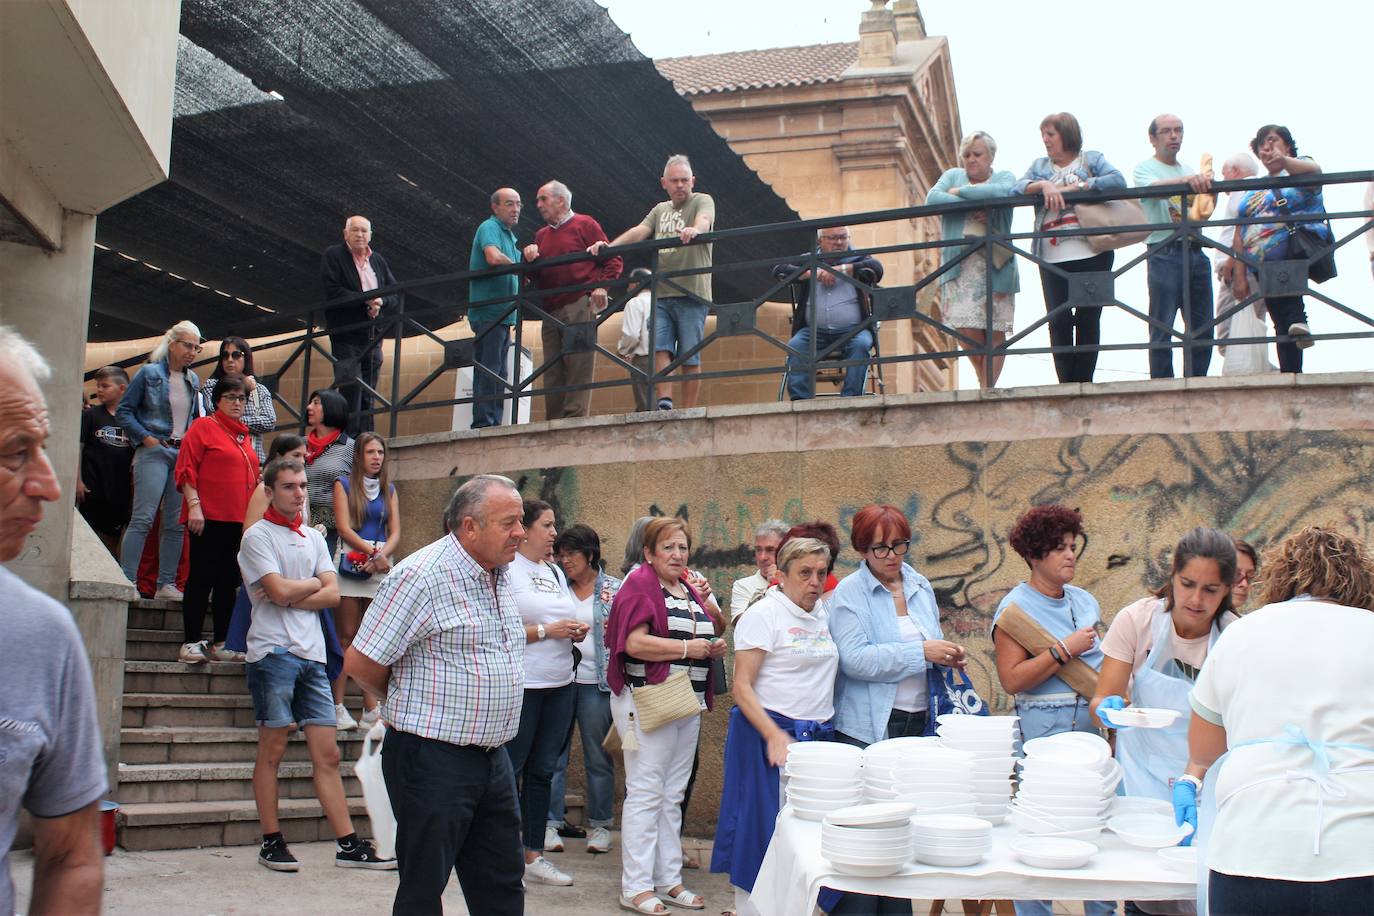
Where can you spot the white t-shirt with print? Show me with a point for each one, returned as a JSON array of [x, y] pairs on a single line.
[[797, 677], [541, 594]]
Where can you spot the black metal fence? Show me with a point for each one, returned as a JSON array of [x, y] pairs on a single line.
[[1283, 278]]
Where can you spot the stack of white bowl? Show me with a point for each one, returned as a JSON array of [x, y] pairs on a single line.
[[950, 839], [870, 840], [992, 740], [821, 777], [1067, 783], [935, 779]]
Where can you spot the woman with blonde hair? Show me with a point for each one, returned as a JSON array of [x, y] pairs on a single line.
[[1282, 731]]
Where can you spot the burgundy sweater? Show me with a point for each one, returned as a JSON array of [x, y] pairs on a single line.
[[573, 236]]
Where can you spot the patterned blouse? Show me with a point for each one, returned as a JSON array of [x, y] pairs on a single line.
[[686, 620]]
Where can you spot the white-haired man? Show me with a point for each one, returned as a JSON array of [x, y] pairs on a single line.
[[50, 755], [682, 301], [1238, 359]]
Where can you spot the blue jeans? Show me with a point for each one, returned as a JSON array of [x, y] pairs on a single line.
[[489, 349], [679, 324], [287, 688], [154, 486], [592, 714], [1166, 278], [801, 384], [545, 716]]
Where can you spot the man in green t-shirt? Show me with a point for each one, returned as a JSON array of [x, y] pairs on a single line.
[[1178, 262], [493, 246], [683, 297]]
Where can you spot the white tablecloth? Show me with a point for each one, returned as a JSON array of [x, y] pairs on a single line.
[[793, 872]]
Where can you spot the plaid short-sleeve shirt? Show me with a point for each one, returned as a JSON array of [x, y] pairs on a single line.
[[452, 635]]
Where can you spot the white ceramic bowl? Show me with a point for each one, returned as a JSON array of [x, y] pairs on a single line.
[[987, 747], [809, 814], [1180, 858], [903, 744], [865, 834], [994, 766], [940, 855], [843, 791], [831, 750], [1151, 831], [947, 825], [889, 814], [868, 871], [1081, 802], [969, 809], [824, 769], [1070, 754], [822, 782], [1136, 804], [1053, 852], [958, 718], [876, 854]]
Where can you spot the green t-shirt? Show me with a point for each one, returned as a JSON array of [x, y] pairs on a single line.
[[1161, 209], [666, 221], [492, 232]]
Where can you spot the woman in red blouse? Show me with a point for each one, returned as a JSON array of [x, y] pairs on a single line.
[[216, 471]]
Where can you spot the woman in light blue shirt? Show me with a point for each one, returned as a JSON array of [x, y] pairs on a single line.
[[886, 625]]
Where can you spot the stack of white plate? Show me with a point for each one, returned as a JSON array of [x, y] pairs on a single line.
[[950, 840], [1067, 783], [822, 777], [870, 840], [992, 740], [935, 779]]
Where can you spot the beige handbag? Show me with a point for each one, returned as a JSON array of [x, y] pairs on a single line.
[[658, 704], [1109, 214]]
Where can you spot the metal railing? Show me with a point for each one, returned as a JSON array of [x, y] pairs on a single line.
[[739, 319]]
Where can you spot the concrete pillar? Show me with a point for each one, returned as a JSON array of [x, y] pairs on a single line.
[[877, 36], [46, 295], [911, 25]]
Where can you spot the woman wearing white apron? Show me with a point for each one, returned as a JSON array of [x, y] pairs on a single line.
[[1285, 693], [1046, 537], [1154, 650]]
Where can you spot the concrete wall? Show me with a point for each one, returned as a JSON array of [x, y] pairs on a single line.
[[1143, 462]]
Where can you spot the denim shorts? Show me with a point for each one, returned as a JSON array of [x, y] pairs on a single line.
[[287, 688], [679, 323]]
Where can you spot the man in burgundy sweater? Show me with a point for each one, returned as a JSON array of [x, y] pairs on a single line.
[[567, 232]]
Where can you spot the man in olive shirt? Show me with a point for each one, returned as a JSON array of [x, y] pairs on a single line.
[[683, 300]]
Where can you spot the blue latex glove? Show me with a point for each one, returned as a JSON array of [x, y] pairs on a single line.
[[1185, 808], [1111, 702]]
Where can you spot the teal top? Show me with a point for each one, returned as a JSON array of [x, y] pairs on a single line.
[[492, 232], [1005, 279]]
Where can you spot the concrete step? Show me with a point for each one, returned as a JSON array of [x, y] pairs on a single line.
[[153, 710], [149, 645], [178, 677], [191, 744], [180, 825], [145, 614], [197, 782]]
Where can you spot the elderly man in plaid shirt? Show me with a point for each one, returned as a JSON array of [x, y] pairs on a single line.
[[443, 646]]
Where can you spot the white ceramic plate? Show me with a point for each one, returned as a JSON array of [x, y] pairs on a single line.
[[937, 856], [959, 718], [1141, 717], [795, 791], [953, 843], [825, 769], [883, 814], [845, 834], [877, 855], [1053, 852], [950, 825], [868, 871]]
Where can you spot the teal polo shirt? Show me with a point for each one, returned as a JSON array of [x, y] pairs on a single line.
[[492, 232]]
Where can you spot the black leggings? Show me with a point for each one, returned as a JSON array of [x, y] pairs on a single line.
[[214, 569], [1232, 895], [1080, 326]]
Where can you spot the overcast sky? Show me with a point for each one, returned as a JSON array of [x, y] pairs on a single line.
[[1224, 67]]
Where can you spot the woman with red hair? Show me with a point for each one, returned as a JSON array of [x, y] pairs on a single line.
[[885, 622]]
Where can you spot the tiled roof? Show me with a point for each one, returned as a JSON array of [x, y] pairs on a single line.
[[796, 66]]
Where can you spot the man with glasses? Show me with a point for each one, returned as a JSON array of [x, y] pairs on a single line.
[[767, 538], [841, 304], [348, 269]]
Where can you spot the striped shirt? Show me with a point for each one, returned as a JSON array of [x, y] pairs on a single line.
[[452, 635], [686, 620]]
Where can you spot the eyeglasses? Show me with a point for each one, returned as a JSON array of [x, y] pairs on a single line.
[[896, 549], [193, 347], [236, 398], [231, 354], [1247, 577], [834, 238]]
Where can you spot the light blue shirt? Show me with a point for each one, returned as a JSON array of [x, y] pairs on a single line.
[[1060, 617], [837, 306], [873, 657]]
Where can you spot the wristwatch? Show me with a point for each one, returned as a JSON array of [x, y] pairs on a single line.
[[541, 632]]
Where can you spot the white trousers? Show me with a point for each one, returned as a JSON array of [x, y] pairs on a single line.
[[655, 780]]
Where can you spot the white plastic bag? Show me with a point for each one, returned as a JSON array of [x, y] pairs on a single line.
[[1247, 359], [369, 773]]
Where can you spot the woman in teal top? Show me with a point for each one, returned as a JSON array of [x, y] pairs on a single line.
[[964, 286]]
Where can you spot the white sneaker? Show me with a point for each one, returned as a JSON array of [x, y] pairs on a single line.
[[342, 720], [370, 717], [552, 841], [192, 653], [221, 654], [542, 871], [169, 592], [599, 840], [1301, 334]]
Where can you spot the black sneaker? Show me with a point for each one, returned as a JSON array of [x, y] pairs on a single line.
[[571, 831], [276, 856], [362, 855]]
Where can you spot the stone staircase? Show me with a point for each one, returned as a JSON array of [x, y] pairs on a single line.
[[187, 746]]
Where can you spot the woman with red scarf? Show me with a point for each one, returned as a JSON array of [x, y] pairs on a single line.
[[216, 472], [328, 456]]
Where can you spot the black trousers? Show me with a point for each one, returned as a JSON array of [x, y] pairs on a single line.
[[1231, 895], [1287, 311], [212, 579], [346, 378], [455, 809], [1080, 327]]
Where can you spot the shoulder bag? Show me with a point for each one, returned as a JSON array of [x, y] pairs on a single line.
[[1109, 214], [658, 704], [1306, 244]]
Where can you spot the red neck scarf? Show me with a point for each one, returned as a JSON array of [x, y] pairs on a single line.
[[276, 518], [315, 445]]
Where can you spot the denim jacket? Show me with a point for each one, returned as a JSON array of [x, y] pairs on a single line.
[[603, 593], [873, 657], [1097, 173], [146, 408]]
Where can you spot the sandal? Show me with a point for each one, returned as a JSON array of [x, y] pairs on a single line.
[[649, 906], [690, 861], [684, 898]]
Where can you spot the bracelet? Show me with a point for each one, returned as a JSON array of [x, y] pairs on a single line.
[[1054, 654], [684, 648], [1067, 654], [1197, 783]]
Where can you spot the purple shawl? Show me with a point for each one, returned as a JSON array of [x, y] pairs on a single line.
[[639, 602]]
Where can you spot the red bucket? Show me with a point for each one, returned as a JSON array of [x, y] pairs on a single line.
[[108, 810]]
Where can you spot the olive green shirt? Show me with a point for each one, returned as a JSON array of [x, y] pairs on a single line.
[[666, 221]]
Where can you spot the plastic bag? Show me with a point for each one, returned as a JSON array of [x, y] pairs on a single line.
[[369, 773]]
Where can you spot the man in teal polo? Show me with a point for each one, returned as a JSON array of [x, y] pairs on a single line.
[[492, 318]]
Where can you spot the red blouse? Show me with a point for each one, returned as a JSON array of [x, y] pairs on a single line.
[[217, 458]]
